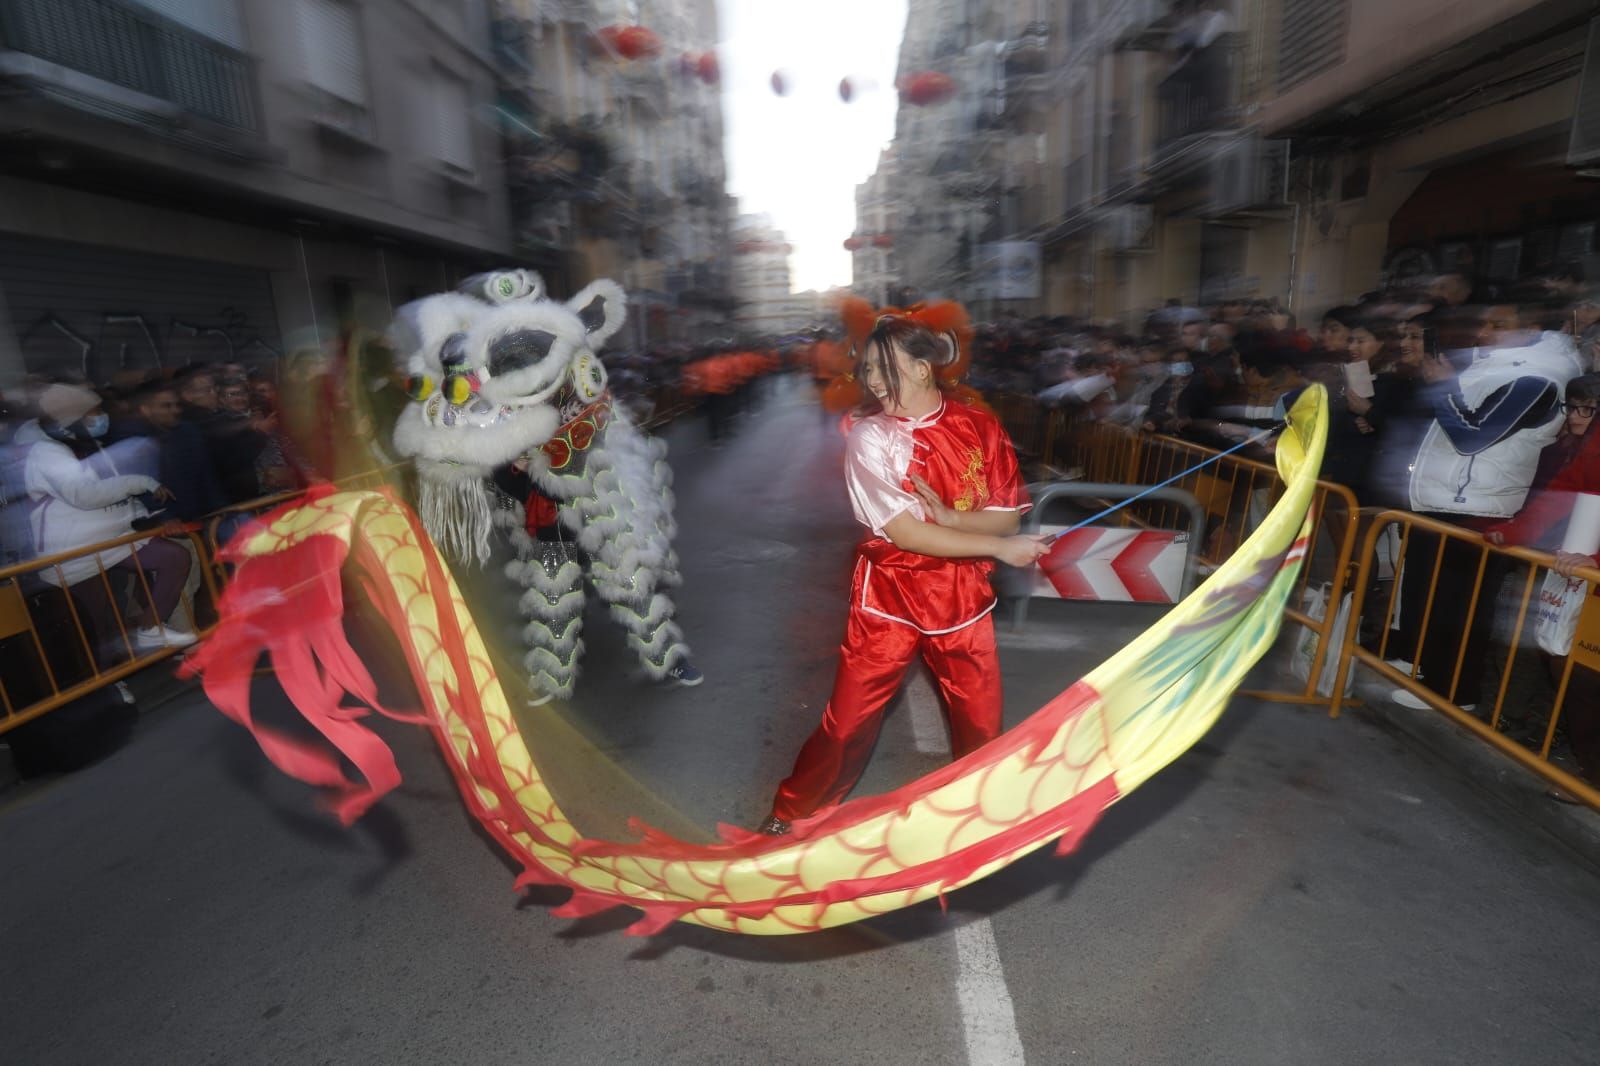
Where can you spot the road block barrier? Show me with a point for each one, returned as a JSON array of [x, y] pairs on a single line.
[[1234, 493]]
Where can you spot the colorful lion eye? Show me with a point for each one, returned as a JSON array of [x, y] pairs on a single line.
[[458, 388], [419, 386]]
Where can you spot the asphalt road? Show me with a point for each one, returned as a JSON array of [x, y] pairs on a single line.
[[1294, 890]]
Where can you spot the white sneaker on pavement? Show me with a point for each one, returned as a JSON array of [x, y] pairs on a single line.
[[154, 638], [1417, 703]]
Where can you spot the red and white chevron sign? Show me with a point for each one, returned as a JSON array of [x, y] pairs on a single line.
[[1102, 563]]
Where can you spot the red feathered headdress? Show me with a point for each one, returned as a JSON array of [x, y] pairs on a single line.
[[942, 316]]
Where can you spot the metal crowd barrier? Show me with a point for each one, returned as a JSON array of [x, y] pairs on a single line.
[[1440, 550], [59, 642], [1394, 547]]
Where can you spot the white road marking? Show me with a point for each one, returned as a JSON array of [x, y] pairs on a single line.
[[927, 713], [1036, 638], [988, 1020]]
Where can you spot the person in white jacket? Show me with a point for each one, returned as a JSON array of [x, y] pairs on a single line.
[[78, 498], [1473, 469]]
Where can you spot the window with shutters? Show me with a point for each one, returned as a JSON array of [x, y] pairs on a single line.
[[1311, 39], [330, 47], [452, 121]]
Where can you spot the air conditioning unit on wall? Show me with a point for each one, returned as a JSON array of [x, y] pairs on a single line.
[[1246, 173]]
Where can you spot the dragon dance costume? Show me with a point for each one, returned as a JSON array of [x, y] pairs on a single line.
[[1045, 780]]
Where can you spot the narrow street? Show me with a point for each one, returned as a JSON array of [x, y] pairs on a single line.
[[1295, 889]]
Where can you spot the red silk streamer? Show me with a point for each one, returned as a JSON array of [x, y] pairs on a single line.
[[289, 605]]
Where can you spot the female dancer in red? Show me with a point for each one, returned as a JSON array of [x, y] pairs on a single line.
[[936, 483]]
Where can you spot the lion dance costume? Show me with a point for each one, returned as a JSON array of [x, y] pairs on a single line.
[[502, 374], [1045, 780]]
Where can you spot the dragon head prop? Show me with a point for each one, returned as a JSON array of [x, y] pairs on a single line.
[[491, 367]]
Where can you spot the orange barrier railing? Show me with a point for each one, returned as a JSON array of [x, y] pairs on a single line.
[[1357, 552], [1430, 552], [61, 640]]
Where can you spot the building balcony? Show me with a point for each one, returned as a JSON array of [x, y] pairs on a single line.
[[510, 42], [576, 11], [1149, 26], [646, 86], [1029, 52], [126, 62], [1202, 95]]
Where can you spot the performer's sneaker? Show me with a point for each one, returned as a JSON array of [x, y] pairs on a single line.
[[775, 827], [685, 674]]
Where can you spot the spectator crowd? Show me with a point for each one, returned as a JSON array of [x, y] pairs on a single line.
[[89, 464], [1472, 409]]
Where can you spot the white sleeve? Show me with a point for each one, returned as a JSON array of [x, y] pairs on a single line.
[[874, 464], [54, 471]]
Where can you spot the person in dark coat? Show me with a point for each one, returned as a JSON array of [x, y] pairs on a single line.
[[183, 459]]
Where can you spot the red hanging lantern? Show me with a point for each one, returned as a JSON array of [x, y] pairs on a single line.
[[708, 69], [928, 87], [636, 42], [883, 240], [629, 42], [853, 244]]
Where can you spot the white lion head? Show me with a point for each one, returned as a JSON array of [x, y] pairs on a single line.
[[486, 374], [488, 365]]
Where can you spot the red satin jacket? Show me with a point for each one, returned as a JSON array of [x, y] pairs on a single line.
[[965, 455]]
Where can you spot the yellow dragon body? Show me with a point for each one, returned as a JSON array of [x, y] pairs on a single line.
[[1048, 779]]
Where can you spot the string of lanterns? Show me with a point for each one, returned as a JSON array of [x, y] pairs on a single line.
[[631, 42]]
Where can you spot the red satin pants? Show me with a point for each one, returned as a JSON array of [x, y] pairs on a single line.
[[872, 662]]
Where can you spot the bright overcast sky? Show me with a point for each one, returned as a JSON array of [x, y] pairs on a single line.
[[799, 157]]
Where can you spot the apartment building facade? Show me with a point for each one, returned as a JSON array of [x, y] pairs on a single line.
[[1299, 150], [615, 160], [227, 179]]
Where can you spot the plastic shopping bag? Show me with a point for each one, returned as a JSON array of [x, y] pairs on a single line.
[[1315, 605], [1556, 618]]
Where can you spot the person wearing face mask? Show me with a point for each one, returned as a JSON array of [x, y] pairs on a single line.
[[79, 497], [1166, 413]]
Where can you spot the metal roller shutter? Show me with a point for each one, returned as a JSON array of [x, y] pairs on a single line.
[[84, 310]]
